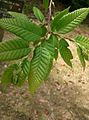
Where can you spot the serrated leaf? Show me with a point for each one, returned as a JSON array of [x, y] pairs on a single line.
[[7, 77], [69, 21], [13, 49], [25, 67], [40, 67], [17, 15], [51, 45], [82, 41], [54, 41], [86, 55], [55, 21], [39, 15], [81, 56], [46, 4], [22, 28], [65, 52]]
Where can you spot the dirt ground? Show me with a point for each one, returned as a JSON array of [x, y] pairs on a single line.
[[65, 96]]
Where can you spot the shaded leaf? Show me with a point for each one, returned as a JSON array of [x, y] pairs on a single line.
[[46, 4], [7, 77], [17, 15], [65, 52], [81, 56]]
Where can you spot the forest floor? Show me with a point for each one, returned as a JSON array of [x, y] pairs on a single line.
[[65, 96]]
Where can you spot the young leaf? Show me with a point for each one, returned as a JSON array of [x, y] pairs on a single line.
[[13, 49], [65, 52], [55, 21], [81, 56], [7, 77], [46, 4], [41, 65], [69, 21], [22, 28], [39, 15]]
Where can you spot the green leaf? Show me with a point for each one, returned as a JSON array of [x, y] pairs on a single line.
[[55, 21], [44, 30], [51, 45], [56, 54], [25, 67], [41, 65], [17, 15], [83, 48], [82, 41], [7, 77], [69, 21], [13, 49], [81, 56], [46, 4], [65, 52], [85, 54], [39, 15], [19, 78], [22, 28]]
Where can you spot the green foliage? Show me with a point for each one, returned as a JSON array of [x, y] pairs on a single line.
[[40, 67], [82, 49], [46, 4], [65, 52], [81, 56], [7, 77], [19, 26], [69, 21], [56, 19], [39, 44], [39, 15], [25, 66], [13, 49]]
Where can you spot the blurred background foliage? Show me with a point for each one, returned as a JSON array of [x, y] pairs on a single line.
[[75, 4]]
